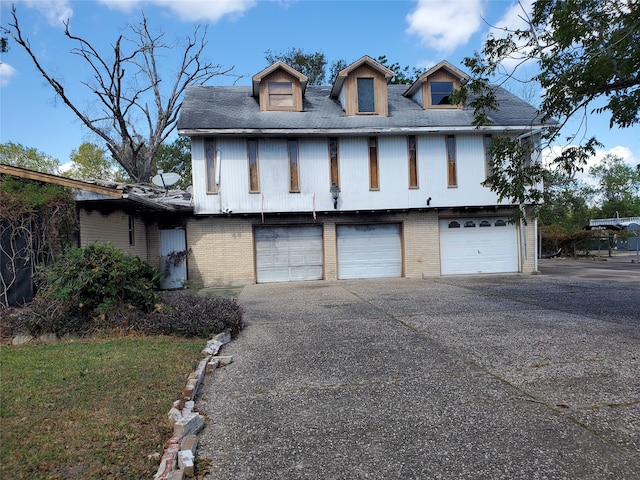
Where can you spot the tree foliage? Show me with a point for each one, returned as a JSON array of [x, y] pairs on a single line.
[[619, 187], [587, 54], [17, 155], [90, 161], [312, 65], [176, 157], [138, 104]]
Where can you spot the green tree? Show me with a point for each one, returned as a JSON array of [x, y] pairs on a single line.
[[619, 187], [128, 84], [90, 161], [176, 157], [18, 155], [403, 76], [312, 65], [566, 202], [587, 54]]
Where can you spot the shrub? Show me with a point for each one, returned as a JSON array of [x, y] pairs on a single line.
[[191, 316], [96, 284]]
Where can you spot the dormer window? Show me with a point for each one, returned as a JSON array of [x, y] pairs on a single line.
[[366, 103], [279, 88], [441, 93], [434, 87], [361, 88], [280, 94]]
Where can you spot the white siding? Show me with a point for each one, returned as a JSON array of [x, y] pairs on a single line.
[[394, 192]]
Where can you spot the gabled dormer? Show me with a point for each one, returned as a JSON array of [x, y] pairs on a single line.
[[361, 88], [279, 88], [433, 88]]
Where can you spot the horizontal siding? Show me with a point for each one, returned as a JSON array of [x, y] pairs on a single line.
[[394, 192]]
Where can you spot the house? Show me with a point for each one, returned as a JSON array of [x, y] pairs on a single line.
[[132, 217], [358, 179]]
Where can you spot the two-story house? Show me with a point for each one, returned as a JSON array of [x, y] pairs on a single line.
[[358, 179]]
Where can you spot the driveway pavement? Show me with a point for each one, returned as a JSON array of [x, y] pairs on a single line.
[[516, 377]]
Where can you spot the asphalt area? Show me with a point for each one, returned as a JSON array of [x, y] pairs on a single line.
[[505, 376]]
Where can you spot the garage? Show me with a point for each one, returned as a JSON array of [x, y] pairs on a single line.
[[369, 251], [478, 245], [286, 254]]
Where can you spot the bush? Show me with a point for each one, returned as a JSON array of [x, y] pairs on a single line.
[[99, 281], [190, 316]]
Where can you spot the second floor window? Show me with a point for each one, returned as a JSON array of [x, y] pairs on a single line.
[[374, 173], [333, 161], [452, 174], [487, 156], [294, 174], [412, 153], [252, 158], [366, 102], [280, 94], [210, 160]]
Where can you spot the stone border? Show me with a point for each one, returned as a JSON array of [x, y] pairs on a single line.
[[178, 459]]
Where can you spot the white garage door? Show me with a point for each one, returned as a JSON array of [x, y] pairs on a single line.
[[478, 245], [369, 251], [285, 254]]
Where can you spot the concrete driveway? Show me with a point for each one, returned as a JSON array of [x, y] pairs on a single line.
[[515, 377]]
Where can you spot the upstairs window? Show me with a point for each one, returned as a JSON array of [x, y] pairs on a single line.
[[488, 171], [252, 158], [366, 103], [294, 175], [210, 159], [452, 173], [412, 154], [441, 93], [280, 94], [333, 161], [374, 173]]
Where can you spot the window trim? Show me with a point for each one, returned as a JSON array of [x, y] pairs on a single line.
[[211, 165], [374, 165], [412, 158], [334, 161], [132, 231], [452, 162], [294, 165], [252, 164]]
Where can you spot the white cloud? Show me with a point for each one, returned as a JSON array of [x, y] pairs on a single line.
[[55, 11], [6, 72], [188, 10], [619, 151], [445, 25]]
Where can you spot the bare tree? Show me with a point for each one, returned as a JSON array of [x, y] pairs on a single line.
[[136, 108]]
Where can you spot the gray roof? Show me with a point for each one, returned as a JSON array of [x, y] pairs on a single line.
[[215, 109]]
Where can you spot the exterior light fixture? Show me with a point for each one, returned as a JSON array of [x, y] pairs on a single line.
[[335, 193]]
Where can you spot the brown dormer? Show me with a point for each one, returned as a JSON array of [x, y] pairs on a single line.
[[433, 88], [361, 88], [279, 88]]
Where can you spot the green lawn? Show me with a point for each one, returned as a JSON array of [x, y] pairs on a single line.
[[90, 409]]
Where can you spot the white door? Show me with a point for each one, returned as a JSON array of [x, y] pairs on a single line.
[[173, 258], [369, 251], [286, 254], [478, 245]]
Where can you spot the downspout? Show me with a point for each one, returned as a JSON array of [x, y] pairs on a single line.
[[218, 169]]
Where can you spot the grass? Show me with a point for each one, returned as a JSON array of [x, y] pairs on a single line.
[[90, 409]]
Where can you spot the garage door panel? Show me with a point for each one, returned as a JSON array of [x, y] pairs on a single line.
[[288, 253], [486, 249], [369, 251]]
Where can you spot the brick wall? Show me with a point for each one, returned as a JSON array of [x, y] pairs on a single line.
[[114, 228]]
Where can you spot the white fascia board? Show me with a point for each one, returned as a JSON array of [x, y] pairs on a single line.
[[197, 132]]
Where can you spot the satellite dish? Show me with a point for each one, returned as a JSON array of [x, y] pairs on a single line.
[[165, 180]]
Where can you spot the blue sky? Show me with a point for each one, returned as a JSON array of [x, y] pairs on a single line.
[[414, 33]]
